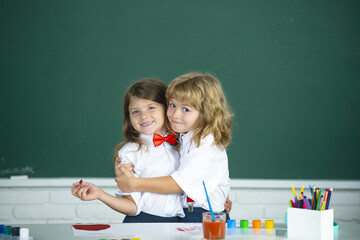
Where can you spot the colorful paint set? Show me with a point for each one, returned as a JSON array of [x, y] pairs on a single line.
[[14, 233], [251, 228]]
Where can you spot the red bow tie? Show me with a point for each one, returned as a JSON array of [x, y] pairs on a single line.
[[158, 140]]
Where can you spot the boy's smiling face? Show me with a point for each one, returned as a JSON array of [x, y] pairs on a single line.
[[183, 117]]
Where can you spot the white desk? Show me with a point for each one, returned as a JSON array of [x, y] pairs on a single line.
[[347, 231]]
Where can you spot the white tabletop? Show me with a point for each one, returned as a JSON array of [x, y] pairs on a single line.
[[166, 231]]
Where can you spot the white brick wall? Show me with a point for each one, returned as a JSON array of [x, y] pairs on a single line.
[[50, 201]]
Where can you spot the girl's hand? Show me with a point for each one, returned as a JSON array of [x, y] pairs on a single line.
[[86, 192], [124, 179], [129, 166], [228, 205]]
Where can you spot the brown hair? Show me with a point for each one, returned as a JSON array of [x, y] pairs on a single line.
[[149, 89]]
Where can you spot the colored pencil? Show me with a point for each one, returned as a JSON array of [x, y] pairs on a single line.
[[300, 203], [313, 200], [322, 206], [325, 198], [329, 199], [293, 189], [302, 190], [319, 199], [306, 200], [319, 202]]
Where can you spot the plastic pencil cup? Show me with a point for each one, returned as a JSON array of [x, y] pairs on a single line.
[[310, 224], [214, 229]]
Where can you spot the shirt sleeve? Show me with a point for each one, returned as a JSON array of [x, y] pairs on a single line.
[[127, 155], [206, 163]]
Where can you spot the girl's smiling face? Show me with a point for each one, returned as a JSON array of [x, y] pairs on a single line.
[[147, 117], [183, 117]]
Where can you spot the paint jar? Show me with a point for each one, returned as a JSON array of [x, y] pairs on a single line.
[[244, 226], [269, 226], [256, 224], [214, 229]]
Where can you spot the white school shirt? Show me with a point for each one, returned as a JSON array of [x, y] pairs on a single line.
[[156, 162], [206, 162]]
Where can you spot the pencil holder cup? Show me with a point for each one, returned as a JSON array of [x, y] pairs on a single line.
[[310, 224]]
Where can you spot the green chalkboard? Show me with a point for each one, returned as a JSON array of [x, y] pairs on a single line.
[[290, 69]]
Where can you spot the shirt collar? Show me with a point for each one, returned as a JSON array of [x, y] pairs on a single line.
[[186, 137], [147, 139]]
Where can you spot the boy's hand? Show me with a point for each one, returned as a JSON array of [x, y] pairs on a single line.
[[125, 179], [129, 166], [228, 205]]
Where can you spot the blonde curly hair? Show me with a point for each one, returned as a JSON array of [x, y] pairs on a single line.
[[205, 94]]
